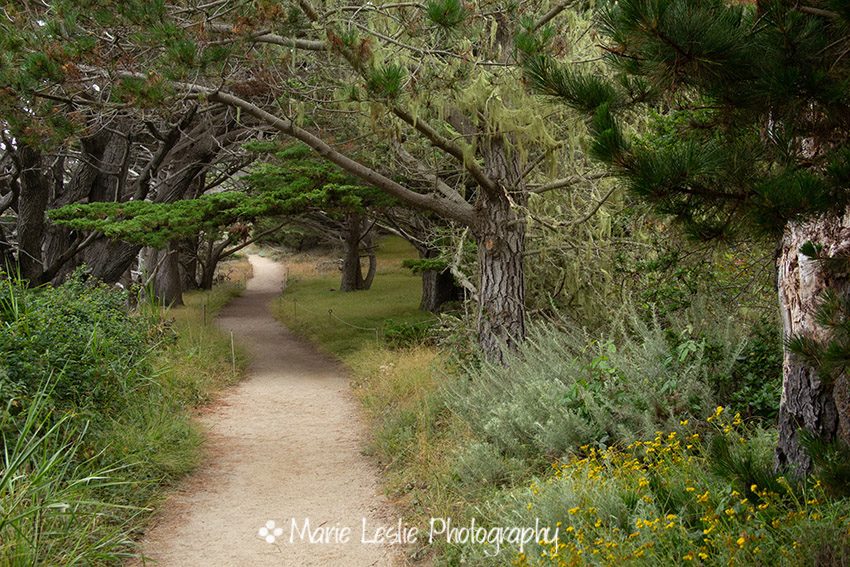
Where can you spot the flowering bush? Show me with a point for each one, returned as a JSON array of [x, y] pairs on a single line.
[[692, 495]]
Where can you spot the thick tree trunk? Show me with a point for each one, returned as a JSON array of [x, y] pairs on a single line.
[[810, 402], [166, 282], [501, 290], [108, 260], [32, 205], [500, 234]]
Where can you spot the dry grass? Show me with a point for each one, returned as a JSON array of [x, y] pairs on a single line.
[[234, 270]]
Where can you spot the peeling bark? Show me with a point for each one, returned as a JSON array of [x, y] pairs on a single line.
[[820, 405]]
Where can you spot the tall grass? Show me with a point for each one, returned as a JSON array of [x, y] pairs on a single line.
[[96, 414], [51, 506]]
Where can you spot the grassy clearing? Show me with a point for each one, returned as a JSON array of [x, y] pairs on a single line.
[[97, 414], [345, 323]]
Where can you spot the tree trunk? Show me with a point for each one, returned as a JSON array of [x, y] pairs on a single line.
[[352, 274], [166, 282], [32, 205], [108, 260], [208, 276], [189, 263], [811, 402], [438, 286], [213, 256], [500, 234], [368, 241], [501, 289]]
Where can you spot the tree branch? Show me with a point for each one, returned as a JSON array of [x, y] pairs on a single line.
[[250, 241], [461, 213], [548, 16], [293, 42]]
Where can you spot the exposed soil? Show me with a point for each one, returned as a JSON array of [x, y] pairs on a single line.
[[285, 443]]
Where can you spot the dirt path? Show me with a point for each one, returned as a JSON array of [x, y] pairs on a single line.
[[283, 444]]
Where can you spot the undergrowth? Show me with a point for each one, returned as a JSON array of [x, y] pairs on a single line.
[[648, 442], [96, 403]]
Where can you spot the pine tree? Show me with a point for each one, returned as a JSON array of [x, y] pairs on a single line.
[[749, 111]]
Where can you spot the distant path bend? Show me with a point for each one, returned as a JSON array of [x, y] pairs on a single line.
[[285, 443]]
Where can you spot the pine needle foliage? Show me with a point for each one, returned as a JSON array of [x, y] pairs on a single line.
[[386, 81], [750, 108], [292, 182], [447, 14]]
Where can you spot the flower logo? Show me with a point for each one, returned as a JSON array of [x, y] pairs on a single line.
[[270, 532]]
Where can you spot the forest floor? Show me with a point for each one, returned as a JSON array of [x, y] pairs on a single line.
[[284, 445]]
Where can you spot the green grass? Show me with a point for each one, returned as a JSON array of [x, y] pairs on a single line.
[[78, 483], [344, 323]]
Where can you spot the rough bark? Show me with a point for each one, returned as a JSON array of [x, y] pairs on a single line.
[[500, 234], [90, 171], [501, 290], [212, 256], [189, 248], [32, 205], [107, 260], [819, 405], [164, 268]]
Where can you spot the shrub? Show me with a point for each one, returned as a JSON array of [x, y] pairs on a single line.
[[566, 388], [665, 501], [82, 336], [754, 385]]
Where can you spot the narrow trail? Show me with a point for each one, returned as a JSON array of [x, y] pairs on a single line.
[[285, 443]]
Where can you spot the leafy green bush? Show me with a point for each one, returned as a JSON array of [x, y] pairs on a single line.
[[82, 336], [754, 385]]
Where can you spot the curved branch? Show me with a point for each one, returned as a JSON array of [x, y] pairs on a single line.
[[461, 212]]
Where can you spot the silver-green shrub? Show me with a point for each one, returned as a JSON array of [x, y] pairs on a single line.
[[567, 388]]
